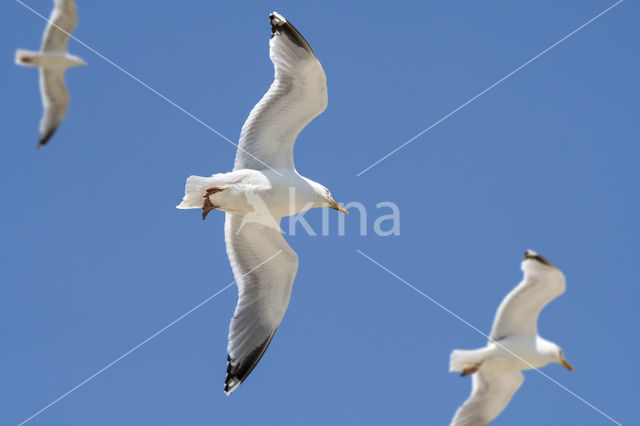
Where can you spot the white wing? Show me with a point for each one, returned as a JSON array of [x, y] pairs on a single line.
[[65, 17], [297, 95], [263, 294], [518, 312], [55, 99], [490, 394]]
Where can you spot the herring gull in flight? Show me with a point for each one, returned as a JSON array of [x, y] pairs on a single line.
[[53, 60], [514, 344], [263, 187]]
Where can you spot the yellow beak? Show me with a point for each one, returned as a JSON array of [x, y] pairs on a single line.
[[567, 365], [337, 206]]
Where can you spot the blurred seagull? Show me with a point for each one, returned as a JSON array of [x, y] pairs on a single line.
[[495, 369], [264, 182], [53, 60]]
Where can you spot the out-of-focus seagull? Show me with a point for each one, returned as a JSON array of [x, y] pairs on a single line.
[[514, 344], [264, 182], [53, 60]]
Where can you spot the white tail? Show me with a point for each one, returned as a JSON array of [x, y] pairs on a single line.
[[461, 359], [27, 57], [195, 190]]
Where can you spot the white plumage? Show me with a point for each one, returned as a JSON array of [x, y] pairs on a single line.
[[53, 60], [519, 310], [514, 344], [297, 95], [263, 187], [490, 394]]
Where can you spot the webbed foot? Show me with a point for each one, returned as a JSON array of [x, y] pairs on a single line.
[[207, 207], [470, 370], [213, 190]]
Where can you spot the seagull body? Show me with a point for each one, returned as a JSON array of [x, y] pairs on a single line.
[[283, 191], [53, 60], [263, 187], [514, 345]]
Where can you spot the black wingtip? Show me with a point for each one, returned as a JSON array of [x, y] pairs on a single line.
[[279, 25], [277, 21], [45, 138], [236, 374], [530, 254]]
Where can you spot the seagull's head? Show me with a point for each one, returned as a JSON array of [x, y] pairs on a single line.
[[324, 198], [553, 353], [75, 61]]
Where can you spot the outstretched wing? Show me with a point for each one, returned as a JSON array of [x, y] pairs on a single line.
[[297, 95], [55, 99], [490, 394], [64, 17], [264, 267], [518, 313]]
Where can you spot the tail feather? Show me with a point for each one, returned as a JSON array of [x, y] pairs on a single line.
[[195, 190], [461, 359], [27, 57]]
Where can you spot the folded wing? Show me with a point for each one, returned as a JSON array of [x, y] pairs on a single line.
[[264, 267], [297, 95], [490, 394], [64, 17]]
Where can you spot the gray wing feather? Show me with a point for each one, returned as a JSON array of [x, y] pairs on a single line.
[[55, 99], [490, 394], [297, 95], [518, 313], [65, 17], [263, 294]]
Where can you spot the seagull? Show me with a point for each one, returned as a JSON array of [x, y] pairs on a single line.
[[514, 344], [263, 187], [53, 60]]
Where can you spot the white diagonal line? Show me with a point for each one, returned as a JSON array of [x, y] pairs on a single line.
[[490, 87], [136, 347], [145, 85], [458, 317]]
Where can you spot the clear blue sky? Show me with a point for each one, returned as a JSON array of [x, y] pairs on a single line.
[[94, 257]]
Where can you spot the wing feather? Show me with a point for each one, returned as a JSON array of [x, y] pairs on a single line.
[[63, 17], [297, 95], [263, 294], [55, 100], [518, 313], [490, 394]]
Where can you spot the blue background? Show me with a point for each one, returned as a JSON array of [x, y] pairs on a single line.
[[94, 257]]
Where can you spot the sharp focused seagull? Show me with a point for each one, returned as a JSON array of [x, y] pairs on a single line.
[[53, 60], [263, 187], [514, 344]]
